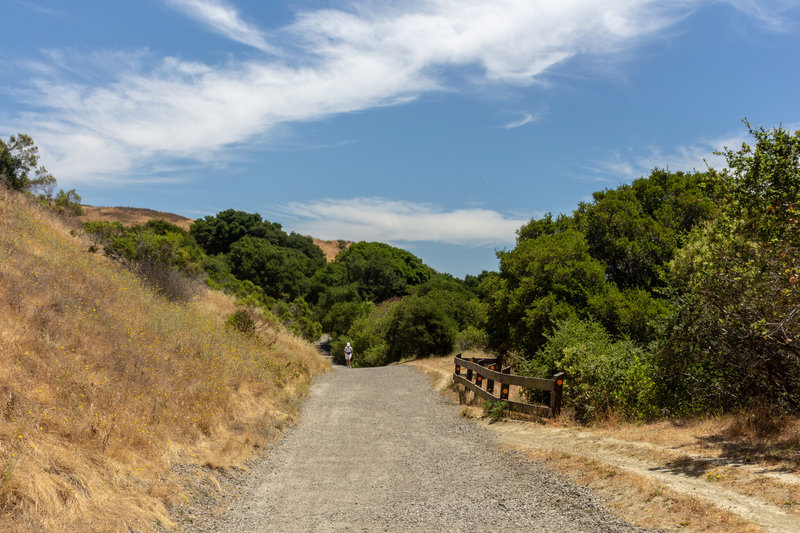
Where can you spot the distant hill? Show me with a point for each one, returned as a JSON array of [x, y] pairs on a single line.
[[331, 248], [130, 216]]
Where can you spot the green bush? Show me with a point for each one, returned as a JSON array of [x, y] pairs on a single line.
[[495, 410], [419, 327], [368, 336], [243, 321], [471, 338], [602, 375]]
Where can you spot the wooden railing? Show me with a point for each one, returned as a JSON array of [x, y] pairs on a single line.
[[487, 370]]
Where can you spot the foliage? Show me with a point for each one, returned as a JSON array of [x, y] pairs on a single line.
[[379, 271], [339, 317], [543, 280], [19, 158], [242, 321], [68, 201], [368, 336], [163, 254], [603, 375], [420, 327], [636, 228], [156, 242], [732, 340], [281, 272], [296, 316], [217, 233], [495, 410]]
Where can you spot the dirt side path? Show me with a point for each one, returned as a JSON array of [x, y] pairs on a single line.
[[677, 472], [377, 450]]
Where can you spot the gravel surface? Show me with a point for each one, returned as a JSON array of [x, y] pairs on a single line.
[[377, 450]]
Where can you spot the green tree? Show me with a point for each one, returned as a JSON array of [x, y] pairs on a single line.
[[636, 228], [420, 327], [19, 157], [542, 281], [380, 271], [281, 272], [217, 233], [733, 337]]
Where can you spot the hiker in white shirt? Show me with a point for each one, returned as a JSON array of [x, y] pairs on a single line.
[[348, 353]]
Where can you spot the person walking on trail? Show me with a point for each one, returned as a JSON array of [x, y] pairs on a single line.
[[348, 354]]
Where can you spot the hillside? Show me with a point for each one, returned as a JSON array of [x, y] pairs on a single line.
[[136, 215], [130, 216], [114, 402], [331, 248]]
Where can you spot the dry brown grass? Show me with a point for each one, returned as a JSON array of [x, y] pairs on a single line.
[[131, 216], [104, 385], [331, 248], [639, 500]]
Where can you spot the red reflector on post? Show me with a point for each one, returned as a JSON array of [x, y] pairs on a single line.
[[559, 382]]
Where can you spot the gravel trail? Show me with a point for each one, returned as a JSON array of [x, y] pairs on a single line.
[[377, 450]]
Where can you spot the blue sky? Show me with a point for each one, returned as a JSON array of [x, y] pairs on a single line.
[[439, 126]]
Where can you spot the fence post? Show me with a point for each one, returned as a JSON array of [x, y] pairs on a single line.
[[490, 382], [555, 396], [478, 380]]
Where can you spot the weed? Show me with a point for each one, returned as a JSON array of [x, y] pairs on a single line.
[[495, 410]]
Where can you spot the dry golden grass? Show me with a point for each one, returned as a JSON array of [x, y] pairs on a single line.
[[640, 500], [104, 385], [331, 248], [131, 216]]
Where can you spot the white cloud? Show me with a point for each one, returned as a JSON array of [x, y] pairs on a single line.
[[379, 219], [224, 19], [698, 156], [331, 61], [770, 13], [527, 118]]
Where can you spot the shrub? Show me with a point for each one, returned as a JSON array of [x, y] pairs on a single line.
[[471, 338], [419, 327], [495, 410], [602, 375], [241, 320]]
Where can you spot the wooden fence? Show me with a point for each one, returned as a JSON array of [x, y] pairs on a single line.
[[488, 370]]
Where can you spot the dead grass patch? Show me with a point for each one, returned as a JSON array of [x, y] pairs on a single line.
[[132, 216], [639, 500]]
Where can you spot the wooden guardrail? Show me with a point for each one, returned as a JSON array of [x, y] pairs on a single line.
[[480, 370]]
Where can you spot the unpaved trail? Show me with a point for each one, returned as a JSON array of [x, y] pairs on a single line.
[[378, 450], [634, 457]]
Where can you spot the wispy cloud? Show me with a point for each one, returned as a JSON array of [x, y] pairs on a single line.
[[331, 61], [527, 118], [40, 8], [697, 156], [225, 20], [379, 219], [770, 13]]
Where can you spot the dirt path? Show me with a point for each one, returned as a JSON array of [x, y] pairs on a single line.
[[378, 450], [678, 472]]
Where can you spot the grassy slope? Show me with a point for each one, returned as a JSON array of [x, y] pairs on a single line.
[[104, 385]]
